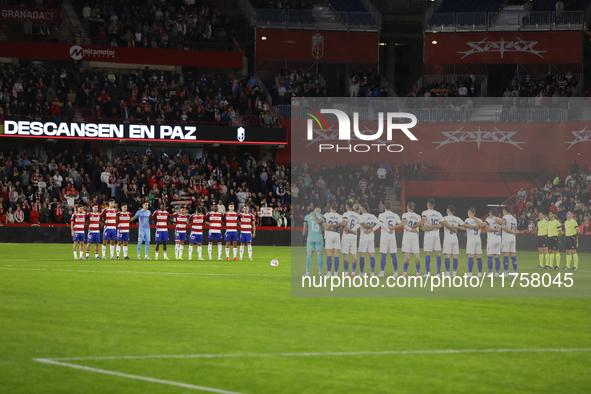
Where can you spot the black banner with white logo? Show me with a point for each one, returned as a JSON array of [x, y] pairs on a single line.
[[137, 132]]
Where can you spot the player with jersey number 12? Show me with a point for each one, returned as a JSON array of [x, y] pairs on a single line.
[[247, 231]]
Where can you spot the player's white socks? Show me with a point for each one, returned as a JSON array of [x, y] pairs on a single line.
[[87, 254], [209, 249], [112, 250], [190, 252], [241, 251], [104, 251], [181, 247], [156, 255], [125, 251], [219, 250], [176, 250], [118, 248], [227, 252], [235, 250], [165, 254], [81, 254], [199, 250], [250, 251], [75, 255]]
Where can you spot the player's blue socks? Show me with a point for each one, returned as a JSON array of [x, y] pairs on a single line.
[[336, 265], [418, 269], [470, 264], [361, 264], [383, 262], [372, 263], [346, 266], [490, 264], [354, 267], [405, 268], [139, 248], [428, 263], [506, 263], [394, 262], [438, 264], [447, 264], [329, 263], [308, 262], [497, 264], [514, 261], [479, 262], [455, 265], [147, 247], [320, 262]]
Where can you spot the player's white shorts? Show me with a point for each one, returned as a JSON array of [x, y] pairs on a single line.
[[431, 242], [388, 245], [349, 245], [410, 245], [367, 246], [508, 245], [450, 246], [474, 247], [332, 240], [493, 248]]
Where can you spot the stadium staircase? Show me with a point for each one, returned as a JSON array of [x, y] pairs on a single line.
[[512, 201], [507, 18], [391, 196], [327, 19], [67, 4]]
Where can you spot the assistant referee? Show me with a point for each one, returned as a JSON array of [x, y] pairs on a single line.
[[571, 229]]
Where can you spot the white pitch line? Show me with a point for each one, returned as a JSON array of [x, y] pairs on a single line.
[[136, 377], [364, 353], [134, 272]]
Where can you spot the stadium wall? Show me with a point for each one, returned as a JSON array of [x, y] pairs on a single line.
[[265, 236]]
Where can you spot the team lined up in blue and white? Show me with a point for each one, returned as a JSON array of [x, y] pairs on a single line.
[[500, 240]]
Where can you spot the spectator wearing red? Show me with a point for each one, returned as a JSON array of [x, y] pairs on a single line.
[[34, 216], [553, 207], [19, 215], [58, 214], [521, 205]]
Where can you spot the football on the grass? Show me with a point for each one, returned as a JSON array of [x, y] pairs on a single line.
[[274, 263]]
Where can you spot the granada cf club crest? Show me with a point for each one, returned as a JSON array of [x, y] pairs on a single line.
[[241, 134], [317, 46]]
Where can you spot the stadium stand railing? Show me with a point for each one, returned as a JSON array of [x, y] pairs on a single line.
[[525, 21], [512, 201]]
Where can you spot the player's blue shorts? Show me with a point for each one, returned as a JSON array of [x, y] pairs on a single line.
[[143, 236], [178, 236], [246, 237], [161, 236], [314, 246], [78, 237], [213, 236], [94, 238], [110, 235], [231, 236], [122, 236], [196, 238]]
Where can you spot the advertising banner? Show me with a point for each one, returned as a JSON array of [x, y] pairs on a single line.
[[14, 13]]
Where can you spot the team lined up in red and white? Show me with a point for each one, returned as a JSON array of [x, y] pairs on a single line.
[[116, 224]]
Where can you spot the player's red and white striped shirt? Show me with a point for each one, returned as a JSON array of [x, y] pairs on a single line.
[[181, 222], [197, 223], [215, 221], [93, 222], [231, 221], [246, 220], [110, 216], [161, 220], [78, 219], [124, 218]]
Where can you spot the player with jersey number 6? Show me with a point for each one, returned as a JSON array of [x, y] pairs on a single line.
[[332, 222], [349, 239], [508, 241], [473, 225]]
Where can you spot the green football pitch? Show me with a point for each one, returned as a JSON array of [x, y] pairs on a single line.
[[128, 326]]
